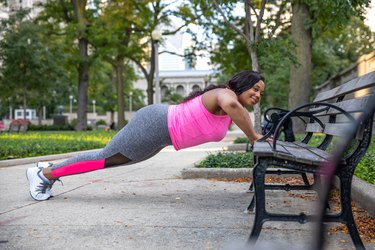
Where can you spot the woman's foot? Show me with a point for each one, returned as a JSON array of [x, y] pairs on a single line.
[[39, 186]]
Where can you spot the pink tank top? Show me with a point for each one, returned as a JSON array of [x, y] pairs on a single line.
[[191, 124]]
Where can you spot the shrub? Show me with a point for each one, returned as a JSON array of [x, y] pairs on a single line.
[[101, 122], [14, 145], [366, 167], [228, 160], [240, 140], [66, 127]]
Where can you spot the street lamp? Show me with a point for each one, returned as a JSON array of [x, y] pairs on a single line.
[[93, 106], [156, 36], [70, 104]]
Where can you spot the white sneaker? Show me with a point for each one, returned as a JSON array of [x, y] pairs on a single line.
[[45, 164], [38, 184]]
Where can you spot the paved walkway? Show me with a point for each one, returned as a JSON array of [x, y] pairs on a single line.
[[143, 206]]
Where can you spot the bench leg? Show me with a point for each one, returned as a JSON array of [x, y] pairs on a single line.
[[347, 212], [305, 180], [259, 194], [317, 186]]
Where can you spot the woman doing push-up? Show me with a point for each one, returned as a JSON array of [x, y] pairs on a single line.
[[204, 116]]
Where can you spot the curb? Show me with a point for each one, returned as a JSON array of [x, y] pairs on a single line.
[[208, 173], [363, 193], [237, 147], [10, 163]]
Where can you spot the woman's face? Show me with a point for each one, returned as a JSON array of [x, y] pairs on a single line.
[[252, 96]]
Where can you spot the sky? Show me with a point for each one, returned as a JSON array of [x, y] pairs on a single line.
[[370, 16]]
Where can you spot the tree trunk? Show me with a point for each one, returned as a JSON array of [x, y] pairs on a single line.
[[79, 7], [150, 79], [120, 92], [40, 115], [300, 74], [83, 82], [257, 113], [251, 47], [24, 103]]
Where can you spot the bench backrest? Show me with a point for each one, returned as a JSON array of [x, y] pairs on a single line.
[[352, 98]]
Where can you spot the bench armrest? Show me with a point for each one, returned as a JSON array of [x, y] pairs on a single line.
[[276, 117], [309, 114]]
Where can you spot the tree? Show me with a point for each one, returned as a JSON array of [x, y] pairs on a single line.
[[79, 7], [248, 29], [29, 66], [116, 36], [68, 23], [159, 14], [300, 73], [308, 17]]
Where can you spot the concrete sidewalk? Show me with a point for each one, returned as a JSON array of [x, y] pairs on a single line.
[[144, 206]]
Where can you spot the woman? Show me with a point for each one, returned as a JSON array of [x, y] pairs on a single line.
[[202, 117]]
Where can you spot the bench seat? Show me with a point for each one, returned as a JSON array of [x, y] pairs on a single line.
[[292, 151]]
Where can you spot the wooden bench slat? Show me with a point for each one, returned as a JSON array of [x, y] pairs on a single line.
[[359, 83], [314, 128], [291, 151], [350, 106]]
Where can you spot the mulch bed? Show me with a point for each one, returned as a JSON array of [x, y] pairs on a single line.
[[365, 223]]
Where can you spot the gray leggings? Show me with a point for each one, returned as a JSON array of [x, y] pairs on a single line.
[[143, 137]]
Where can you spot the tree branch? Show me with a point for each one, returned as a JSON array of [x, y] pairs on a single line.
[[234, 27], [259, 20], [277, 19], [176, 54], [252, 7], [139, 64], [249, 22]]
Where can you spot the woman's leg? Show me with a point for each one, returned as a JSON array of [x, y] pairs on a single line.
[[145, 135], [84, 163]]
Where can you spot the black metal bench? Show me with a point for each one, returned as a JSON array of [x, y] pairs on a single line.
[[331, 114]]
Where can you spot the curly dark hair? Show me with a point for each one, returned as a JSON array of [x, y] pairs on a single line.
[[239, 83]]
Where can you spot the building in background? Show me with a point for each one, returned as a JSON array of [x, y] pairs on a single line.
[[176, 73]]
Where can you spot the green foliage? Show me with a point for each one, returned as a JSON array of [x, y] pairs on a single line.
[[45, 143], [336, 50], [50, 127], [366, 167], [227, 160], [171, 97], [239, 140], [29, 64]]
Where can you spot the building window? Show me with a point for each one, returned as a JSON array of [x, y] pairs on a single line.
[[196, 88], [180, 90], [164, 90]]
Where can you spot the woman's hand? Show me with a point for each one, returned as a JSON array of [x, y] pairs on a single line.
[[258, 137]]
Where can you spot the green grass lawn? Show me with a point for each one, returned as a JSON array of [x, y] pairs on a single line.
[[20, 145]]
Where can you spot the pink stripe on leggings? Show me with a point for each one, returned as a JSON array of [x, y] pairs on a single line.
[[78, 168]]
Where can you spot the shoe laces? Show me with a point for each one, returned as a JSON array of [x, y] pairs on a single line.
[[42, 187], [53, 181]]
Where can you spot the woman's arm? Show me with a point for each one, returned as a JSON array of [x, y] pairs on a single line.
[[227, 100]]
